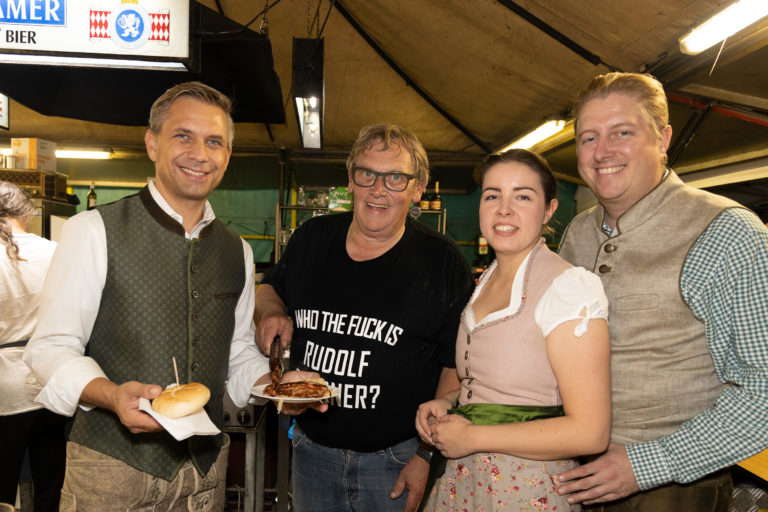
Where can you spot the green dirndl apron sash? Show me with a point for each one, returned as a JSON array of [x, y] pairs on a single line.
[[487, 414]]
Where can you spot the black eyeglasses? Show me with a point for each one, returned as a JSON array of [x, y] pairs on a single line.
[[394, 180]]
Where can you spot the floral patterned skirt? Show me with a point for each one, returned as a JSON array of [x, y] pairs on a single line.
[[488, 482]]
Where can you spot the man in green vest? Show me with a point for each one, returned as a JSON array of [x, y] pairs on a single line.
[[685, 272], [134, 285]]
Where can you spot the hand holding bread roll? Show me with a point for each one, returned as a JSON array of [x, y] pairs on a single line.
[[182, 400]]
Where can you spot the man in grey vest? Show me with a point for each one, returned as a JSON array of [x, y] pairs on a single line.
[[686, 274], [134, 284]]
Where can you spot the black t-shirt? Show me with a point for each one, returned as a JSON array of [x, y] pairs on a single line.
[[380, 330]]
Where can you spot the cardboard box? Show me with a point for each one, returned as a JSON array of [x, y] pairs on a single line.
[[339, 199], [33, 153]]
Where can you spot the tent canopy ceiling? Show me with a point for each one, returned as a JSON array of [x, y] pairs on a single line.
[[467, 77]]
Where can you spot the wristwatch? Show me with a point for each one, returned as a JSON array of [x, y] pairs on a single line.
[[424, 453]]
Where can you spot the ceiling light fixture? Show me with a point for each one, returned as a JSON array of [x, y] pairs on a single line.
[[308, 90], [55, 60], [722, 25], [86, 154], [541, 133]]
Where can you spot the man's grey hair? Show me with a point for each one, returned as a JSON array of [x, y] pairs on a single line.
[[390, 134], [199, 91]]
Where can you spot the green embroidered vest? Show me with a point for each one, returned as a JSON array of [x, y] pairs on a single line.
[[165, 296]]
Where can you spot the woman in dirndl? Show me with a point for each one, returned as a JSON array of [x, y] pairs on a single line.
[[532, 360]]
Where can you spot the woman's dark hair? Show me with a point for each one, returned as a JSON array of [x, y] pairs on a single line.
[[531, 160], [14, 204]]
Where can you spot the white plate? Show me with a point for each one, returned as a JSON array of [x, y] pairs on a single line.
[[258, 391]]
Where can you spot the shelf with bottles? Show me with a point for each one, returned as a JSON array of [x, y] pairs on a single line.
[[431, 201], [290, 216], [298, 208], [431, 204], [440, 220]]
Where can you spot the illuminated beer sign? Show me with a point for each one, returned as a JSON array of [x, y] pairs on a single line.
[[33, 12], [156, 29]]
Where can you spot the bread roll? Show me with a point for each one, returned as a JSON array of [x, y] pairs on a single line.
[[179, 401]]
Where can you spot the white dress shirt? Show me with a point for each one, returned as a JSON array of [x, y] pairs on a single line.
[[70, 303]]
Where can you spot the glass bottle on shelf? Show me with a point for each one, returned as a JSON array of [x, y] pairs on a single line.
[[482, 256], [322, 199], [424, 201], [482, 250], [435, 201], [285, 235], [91, 198], [301, 196]]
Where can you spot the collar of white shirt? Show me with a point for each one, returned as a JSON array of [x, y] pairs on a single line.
[[208, 214]]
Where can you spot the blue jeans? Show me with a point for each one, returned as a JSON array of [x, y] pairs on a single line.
[[335, 480]]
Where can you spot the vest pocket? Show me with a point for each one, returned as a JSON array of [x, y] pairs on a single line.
[[638, 302], [222, 296]]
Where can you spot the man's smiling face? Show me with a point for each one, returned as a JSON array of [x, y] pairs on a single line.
[[620, 157], [380, 212], [190, 151]]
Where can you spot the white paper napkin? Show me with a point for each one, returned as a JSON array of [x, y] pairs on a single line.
[[198, 424]]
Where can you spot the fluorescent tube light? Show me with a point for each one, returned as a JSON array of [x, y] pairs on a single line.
[[56, 60], [83, 154], [308, 89], [71, 153], [726, 23], [530, 139], [309, 122]]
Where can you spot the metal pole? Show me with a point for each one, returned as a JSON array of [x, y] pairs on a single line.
[[283, 463], [280, 190], [250, 469], [261, 446]]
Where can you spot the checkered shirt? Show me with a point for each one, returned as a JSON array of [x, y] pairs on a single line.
[[725, 283]]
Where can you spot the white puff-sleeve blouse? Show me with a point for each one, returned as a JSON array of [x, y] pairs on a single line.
[[575, 294]]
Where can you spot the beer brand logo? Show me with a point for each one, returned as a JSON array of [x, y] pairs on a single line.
[[33, 12], [130, 26]]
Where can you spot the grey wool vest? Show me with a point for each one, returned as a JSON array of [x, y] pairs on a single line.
[[165, 296], [661, 370]]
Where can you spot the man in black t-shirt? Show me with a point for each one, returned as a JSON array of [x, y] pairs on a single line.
[[371, 301]]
